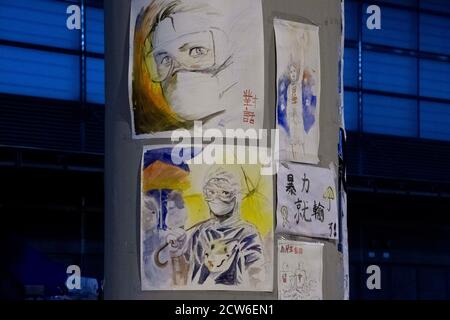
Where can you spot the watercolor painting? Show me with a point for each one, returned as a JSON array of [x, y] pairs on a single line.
[[204, 227], [298, 90], [195, 60]]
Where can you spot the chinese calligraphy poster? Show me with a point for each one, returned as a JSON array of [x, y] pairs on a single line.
[[298, 90], [205, 227], [195, 60], [299, 270], [307, 201]]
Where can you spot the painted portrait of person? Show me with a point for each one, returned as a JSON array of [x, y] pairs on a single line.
[[224, 249], [205, 227], [185, 63]]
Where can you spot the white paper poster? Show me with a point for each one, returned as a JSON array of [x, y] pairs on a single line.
[[307, 201], [298, 90], [341, 69], [204, 227], [195, 60], [299, 270], [345, 245]]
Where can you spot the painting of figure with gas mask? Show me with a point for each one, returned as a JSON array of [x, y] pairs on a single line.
[[191, 60], [226, 240], [224, 249]]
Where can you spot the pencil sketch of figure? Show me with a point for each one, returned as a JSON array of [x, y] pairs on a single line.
[[300, 270], [285, 214], [300, 280], [297, 284], [183, 60], [224, 249], [295, 111]]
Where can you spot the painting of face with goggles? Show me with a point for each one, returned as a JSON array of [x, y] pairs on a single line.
[[188, 67], [186, 64], [205, 227], [221, 197]]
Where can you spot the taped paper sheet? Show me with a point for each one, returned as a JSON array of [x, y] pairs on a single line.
[[307, 201], [298, 90], [195, 60], [204, 227], [299, 270]]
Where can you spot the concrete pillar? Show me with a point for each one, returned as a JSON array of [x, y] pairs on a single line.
[[123, 155]]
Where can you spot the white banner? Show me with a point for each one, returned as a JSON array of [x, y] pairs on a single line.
[[307, 201]]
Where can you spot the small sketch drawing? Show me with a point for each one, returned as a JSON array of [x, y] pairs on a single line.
[[297, 283], [285, 215], [329, 196], [299, 270]]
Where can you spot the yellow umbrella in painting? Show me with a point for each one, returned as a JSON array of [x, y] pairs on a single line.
[[160, 175], [329, 195]]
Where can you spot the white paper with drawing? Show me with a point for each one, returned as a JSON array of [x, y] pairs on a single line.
[[300, 270], [298, 90], [195, 60], [307, 201], [204, 227]]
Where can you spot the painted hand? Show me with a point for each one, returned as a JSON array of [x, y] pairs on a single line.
[[177, 240]]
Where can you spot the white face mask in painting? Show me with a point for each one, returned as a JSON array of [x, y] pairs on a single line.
[[194, 95], [191, 61], [221, 208]]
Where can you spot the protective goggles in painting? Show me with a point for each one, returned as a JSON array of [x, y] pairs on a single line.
[[218, 189], [193, 52]]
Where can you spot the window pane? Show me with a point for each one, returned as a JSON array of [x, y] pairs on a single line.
[[434, 34], [94, 30], [351, 67], [398, 29], [388, 115], [435, 121], [39, 73], [351, 20], [436, 5], [95, 81], [40, 22], [351, 110], [435, 79], [389, 72], [432, 283], [409, 3]]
